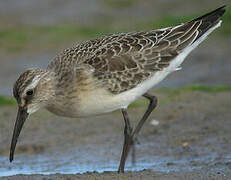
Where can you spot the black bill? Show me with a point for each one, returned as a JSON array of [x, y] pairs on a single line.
[[21, 118]]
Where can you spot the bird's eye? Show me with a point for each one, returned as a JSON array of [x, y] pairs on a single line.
[[29, 92]]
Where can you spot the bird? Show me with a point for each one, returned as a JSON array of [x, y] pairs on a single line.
[[109, 73]]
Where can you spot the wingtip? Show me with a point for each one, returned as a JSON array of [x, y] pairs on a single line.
[[221, 9], [215, 14]]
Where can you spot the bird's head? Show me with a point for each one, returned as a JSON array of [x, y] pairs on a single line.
[[32, 90]]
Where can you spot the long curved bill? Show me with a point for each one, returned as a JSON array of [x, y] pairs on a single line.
[[21, 118]]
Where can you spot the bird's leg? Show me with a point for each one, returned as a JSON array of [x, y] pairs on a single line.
[[129, 136], [151, 107], [127, 141]]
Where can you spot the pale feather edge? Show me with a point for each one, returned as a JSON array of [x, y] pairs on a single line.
[[127, 97]]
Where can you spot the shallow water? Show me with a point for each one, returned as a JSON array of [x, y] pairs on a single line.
[[73, 162]]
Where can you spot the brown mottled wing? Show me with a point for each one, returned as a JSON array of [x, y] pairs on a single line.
[[126, 62], [121, 61], [81, 52]]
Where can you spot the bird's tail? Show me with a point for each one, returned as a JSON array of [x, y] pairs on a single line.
[[209, 20]]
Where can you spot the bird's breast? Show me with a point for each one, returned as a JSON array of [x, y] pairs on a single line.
[[88, 103]]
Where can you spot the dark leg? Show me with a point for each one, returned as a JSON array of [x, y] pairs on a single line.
[[151, 107], [127, 141], [129, 136]]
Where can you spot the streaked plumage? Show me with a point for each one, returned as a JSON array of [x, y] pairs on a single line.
[[109, 73], [122, 61]]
